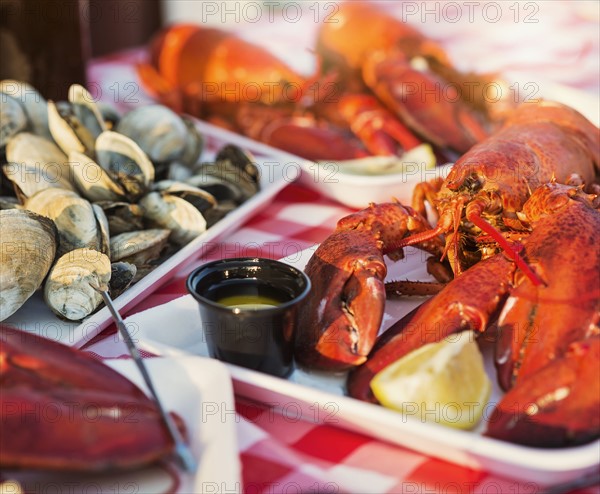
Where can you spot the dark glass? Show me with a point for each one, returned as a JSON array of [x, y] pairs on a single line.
[[258, 338], [49, 42], [118, 24], [45, 43]]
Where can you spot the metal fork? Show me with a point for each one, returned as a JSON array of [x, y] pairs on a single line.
[[182, 450]]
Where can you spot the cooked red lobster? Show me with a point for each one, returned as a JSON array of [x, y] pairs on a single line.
[[64, 410], [547, 351], [370, 91]]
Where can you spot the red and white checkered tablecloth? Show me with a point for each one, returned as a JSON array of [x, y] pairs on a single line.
[[551, 41]]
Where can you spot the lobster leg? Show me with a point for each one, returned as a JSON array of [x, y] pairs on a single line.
[[412, 288], [426, 192]]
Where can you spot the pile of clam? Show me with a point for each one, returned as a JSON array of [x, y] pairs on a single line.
[[88, 196]]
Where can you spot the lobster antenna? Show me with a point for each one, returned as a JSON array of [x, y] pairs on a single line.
[[506, 246]]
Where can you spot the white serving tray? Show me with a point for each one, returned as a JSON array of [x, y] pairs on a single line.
[[278, 169], [319, 397]]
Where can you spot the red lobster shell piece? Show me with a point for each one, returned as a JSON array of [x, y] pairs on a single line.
[[342, 315], [538, 324], [64, 410], [377, 87], [210, 65], [558, 406], [470, 301]]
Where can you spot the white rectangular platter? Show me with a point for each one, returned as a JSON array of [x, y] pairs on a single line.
[[277, 169], [320, 397]]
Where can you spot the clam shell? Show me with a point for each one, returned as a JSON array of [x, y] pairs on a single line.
[[178, 172], [27, 248], [103, 229], [142, 248], [74, 218], [175, 214], [94, 183], [221, 190], [199, 198], [122, 275], [242, 159], [215, 214], [35, 163], [128, 245], [194, 144], [86, 110], [244, 184], [68, 131], [67, 290], [34, 104], [110, 115], [12, 118], [122, 216], [157, 130], [125, 161], [9, 202]]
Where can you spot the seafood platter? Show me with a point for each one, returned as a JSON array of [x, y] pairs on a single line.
[[497, 252], [93, 195]]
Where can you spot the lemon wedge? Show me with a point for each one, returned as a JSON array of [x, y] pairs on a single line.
[[418, 159], [442, 382]]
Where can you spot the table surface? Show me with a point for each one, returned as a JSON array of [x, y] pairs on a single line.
[[560, 44]]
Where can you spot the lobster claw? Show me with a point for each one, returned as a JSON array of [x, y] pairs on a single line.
[[342, 316], [64, 410], [417, 96], [105, 431], [348, 300], [555, 407], [468, 302]]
